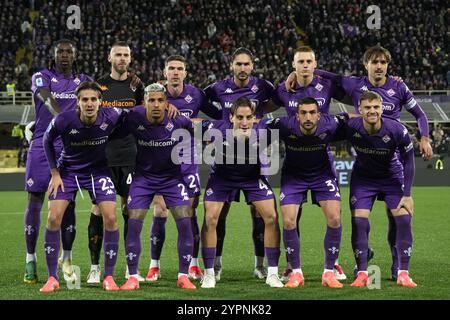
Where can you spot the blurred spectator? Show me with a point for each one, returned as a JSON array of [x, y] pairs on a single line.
[[12, 16], [415, 32], [438, 135], [206, 32], [23, 152]]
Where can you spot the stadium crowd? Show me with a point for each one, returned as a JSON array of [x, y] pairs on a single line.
[[205, 32], [415, 32]]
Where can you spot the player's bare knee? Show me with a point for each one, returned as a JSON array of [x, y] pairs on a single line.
[[289, 223], [54, 221], [270, 218], [179, 212], [399, 212], [211, 221], [137, 214], [334, 221], [110, 221], [160, 211]]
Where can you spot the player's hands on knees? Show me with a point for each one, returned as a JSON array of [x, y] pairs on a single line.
[[290, 82], [55, 183], [407, 203], [172, 111], [425, 148]]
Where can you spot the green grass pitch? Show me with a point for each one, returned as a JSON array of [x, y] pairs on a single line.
[[429, 266]]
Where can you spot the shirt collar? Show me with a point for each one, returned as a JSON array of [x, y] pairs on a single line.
[[313, 83]]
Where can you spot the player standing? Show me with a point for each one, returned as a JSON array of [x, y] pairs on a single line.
[[307, 85], [380, 173], [223, 94], [157, 173], [120, 90], [53, 92], [309, 165], [84, 133], [395, 95], [189, 100]]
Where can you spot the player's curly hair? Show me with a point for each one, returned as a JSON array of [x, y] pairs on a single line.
[[75, 69]]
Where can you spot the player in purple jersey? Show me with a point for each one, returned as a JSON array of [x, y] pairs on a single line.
[[223, 94], [189, 100], [383, 169], [157, 172], [82, 164], [307, 85], [237, 171], [53, 92], [309, 166], [395, 95]]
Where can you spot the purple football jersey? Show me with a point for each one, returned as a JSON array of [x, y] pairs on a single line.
[[61, 88], [320, 89], [155, 142], [395, 95], [223, 94], [230, 161], [307, 155], [189, 103], [83, 146], [376, 155]]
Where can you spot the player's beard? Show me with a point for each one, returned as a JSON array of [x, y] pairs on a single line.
[[310, 127], [243, 76], [175, 83], [378, 76], [120, 69]]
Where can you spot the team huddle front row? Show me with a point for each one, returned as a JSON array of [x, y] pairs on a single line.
[[384, 168]]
